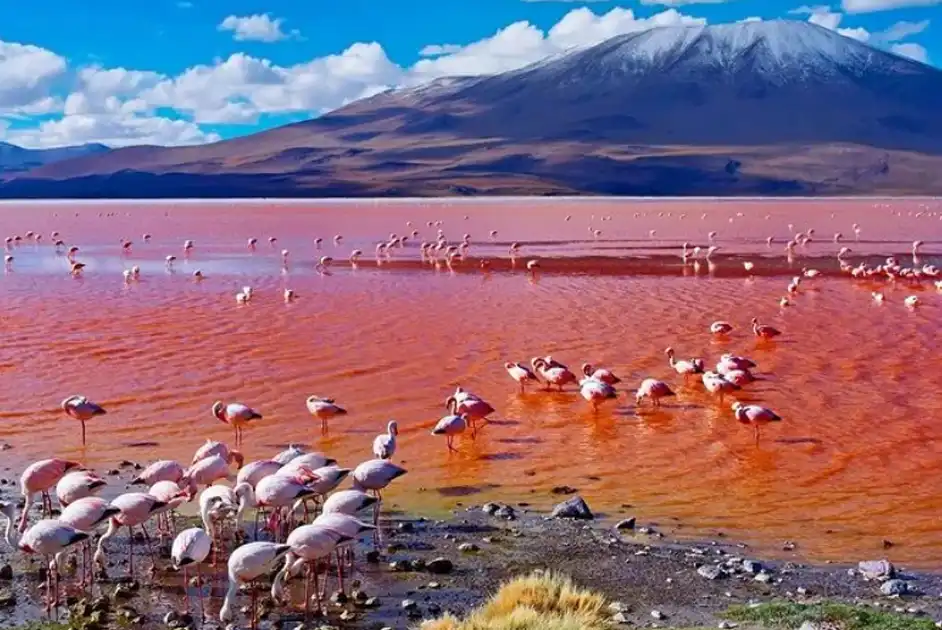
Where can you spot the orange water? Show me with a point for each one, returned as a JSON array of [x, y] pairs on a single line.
[[857, 459]]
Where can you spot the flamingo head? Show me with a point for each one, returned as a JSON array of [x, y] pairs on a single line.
[[587, 369], [218, 409], [392, 427], [307, 475], [450, 402], [509, 365], [736, 406], [669, 352], [237, 457], [755, 321], [537, 363], [70, 465], [8, 509]]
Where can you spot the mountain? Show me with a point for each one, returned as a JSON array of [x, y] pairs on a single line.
[[14, 159], [776, 107]]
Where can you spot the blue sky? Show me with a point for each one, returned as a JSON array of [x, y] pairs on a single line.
[[183, 72]]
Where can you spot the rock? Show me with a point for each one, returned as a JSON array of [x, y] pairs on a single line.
[[506, 512], [339, 598], [894, 587], [409, 605], [763, 577], [621, 618], [563, 490], [171, 618], [628, 523], [468, 547], [400, 565], [371, 602], [7, 599], [490, 508], [6, 573], [440, 566], [407, 528], [434, 585], [876, 569], [123, 592], [727, 625], [657, 614], [372, 556], [101, 604], [711, 571], [358, 596], [348, 615], [126, 464], [619, 607], [575, 507]]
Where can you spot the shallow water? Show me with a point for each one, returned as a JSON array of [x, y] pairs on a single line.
[[856, 461]]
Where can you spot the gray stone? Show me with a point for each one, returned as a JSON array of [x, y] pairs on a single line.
[[711, 571], [657, 614], [440, 566], [490, 508], [894, 587], [619, 607], [628, 523], [727, 625], [409, 605], [620, 618], [763, 577], [6, 573], [506, 512], [7, 599], [751, 566], [468, 547], [575, 507], [876, 569]]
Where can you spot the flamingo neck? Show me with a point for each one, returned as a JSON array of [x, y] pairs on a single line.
[[99, 557], [225, 613], [207, 519], [277, 585], [8, 532]]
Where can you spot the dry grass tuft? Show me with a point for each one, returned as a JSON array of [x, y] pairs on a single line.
[[539, 601]]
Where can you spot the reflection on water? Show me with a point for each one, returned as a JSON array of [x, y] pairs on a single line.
[[857, 455]]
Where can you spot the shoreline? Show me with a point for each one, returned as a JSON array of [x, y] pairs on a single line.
[[454, 564]]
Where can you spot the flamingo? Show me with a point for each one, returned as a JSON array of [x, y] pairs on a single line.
[[136, 508], [39, 477], [596, 392], [653, 389], [684, 368], [293, 450], [82, 409], [162, 470], [764, 331], [558, 375], [600, 374], [346, 526], [212, 447], [236, 415], [49, 538], [450, 426], [729, 362], [347, 502], [253, 472], [754, 415], [220, 501], [375, 475], [87, 514], [78, 485], [521, 373], [76, 268], [205, 472], [912, 301], [470, 406], [290, 295], [324, 409], [718, 384], [191, 547], [721, 328], [246, 564], [310, 461], [281, 491], [169, 493], [309, 543], [384, 445]]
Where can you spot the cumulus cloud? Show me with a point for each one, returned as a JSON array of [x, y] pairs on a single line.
[[435, 50], [823, 16], [115, 131], [869, 6], [255, 28], [27, 75], [911, 50], [680, 3]]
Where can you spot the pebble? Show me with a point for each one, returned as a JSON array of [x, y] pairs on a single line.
[[751, 566], [620, 618], [468, 547], [372, 602], [657, 614], [628, 523], [894, 587], [409, 605], [6, 573], [576, 508], [763, 577], [619, 607], [440, 566], [7, 599], [348, 615], [564, 490], [876, 569], [727, 625], [710, 571]]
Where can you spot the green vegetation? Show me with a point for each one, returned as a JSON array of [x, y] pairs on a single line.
[[539, 601], [789, 615]]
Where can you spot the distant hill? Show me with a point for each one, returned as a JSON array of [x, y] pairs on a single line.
[[14, 159], [774, 108]]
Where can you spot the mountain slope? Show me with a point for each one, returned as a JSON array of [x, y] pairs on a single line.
[[14, 159], [751, 108]]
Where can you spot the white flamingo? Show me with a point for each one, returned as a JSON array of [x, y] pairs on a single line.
[[384, 445], [246, 564]]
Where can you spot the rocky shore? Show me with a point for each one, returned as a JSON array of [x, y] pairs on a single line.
[[423, 568]]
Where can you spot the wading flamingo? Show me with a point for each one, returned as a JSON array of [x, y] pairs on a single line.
[[136, 508], [764, 331], [86, 515], [38, 478], [50, 538], [596, 392], [600, 374], [236, 415], [309, 543], [384, 445], [162, 470], [721, 328], [717, 384], [191, 547], [375, 475], [754, 415], [323, 409], [77, 485], [653, 389], [246, 564], [450, 426], [522, 374], [684, 368], [82, 409]]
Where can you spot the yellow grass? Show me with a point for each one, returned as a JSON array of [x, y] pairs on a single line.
[[539, 601]]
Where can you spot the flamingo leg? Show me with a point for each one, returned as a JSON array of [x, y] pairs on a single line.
[[83, 433], [186, 590], [307, 592], [340, 572], [150, 549], [317, 591], [254, 602], [199, 591], [130, 551]]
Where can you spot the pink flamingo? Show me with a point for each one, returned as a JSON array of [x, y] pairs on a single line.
[[718, 384], [653, 389], [323, 409], [212, 447], [754, 415], [375, 475], [39, 477], [77, 485], [346, 526], [280, 491], [85, 515], [764, 331], [469, 406], [253, 472], [246, 564], [136, 508], [50, 538], [553, 373], [309, 543], [596, 392], [81, 408], [191, 547], [204, 473], [684, 368], [236, 415], [522, 374], [163, 470], [600, 374], [450, 426], [384, 445], [720, 328], [172, 496]]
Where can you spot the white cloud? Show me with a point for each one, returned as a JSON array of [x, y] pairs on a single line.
[[749, 19], [869, 6], [911, 50], [435, 50], [27, 75], [680, 3], [255, 28], [113, 130], [902, 30], [823, 16]]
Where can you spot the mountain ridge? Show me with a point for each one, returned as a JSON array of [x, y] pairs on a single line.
[[776, 107]]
